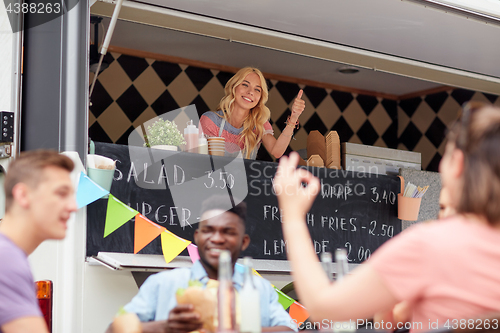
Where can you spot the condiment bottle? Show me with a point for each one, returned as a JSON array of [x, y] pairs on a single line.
[[249, 301], [191, 137], [202, 143], [203, 146], [226, 295]]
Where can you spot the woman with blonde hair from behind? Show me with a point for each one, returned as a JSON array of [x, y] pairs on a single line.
[[449, 271], [242, 117]]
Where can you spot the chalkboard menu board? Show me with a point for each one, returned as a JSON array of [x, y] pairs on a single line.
[[354, 210]]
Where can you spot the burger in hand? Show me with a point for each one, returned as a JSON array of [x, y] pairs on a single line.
[[204, 301]]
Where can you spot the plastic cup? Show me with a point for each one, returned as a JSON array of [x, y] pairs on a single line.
[[216, 146], [216, 152], [408, 208], [101, 170], [103, 177]]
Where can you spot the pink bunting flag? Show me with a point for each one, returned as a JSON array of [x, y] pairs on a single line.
[[193, 252]]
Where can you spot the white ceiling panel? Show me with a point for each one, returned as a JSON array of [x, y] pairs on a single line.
[[180, 44], [403, 37], [394, 27]]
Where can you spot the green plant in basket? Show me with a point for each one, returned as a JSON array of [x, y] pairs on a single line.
[[163, 132]]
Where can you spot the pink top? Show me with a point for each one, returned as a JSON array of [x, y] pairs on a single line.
[[449, 269], [210, 122]]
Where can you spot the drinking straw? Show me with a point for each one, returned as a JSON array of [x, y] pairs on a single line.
[[413, 191]]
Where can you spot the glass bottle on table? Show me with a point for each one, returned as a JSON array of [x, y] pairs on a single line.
[[326, 264], [249, 298], [226, 295], [342, 270], [341, 263]]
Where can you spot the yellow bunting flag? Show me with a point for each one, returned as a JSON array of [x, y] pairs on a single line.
[[172, 245], [298, 312], [145, 232], [117, 215], [256, 273]]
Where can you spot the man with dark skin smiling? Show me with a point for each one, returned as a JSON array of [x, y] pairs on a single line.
[[219, 229]]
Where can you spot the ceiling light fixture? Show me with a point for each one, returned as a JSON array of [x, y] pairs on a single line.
[[348, 70]]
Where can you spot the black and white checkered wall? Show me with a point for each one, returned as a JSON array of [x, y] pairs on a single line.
[[423, 121], [133, 90]]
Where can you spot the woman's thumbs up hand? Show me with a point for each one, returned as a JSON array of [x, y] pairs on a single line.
[[298, 107]]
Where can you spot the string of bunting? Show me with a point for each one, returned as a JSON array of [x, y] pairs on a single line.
[[118, 213]]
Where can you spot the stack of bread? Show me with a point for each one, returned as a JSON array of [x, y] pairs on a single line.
[[204, 301], [321, 151], [315, 160], [126, 323], [332, 150], [316, 149]]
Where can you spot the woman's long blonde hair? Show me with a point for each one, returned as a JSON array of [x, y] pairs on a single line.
[[253, 125]]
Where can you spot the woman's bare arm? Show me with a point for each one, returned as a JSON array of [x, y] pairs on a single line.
[[25, 325], [277, 147], [359, 295]]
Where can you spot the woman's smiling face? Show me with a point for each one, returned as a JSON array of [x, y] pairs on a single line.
[[248, 93]]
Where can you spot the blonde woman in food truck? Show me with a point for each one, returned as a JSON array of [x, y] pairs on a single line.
[[448, 271], [242, 117]]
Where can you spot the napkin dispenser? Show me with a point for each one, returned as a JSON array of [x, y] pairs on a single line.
[[378, 160]]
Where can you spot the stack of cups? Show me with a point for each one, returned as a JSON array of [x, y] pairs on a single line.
[[101, 170], [216, 146]]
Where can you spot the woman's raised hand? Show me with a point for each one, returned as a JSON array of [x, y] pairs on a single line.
[[298, 107], [295, 188]]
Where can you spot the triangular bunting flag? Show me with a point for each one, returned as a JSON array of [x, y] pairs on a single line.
[[193, 252], [283, 299], [117, 215], [298, 312], [88, 191], [172, 245], [239, 268], [256, 273], [145, 232]]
